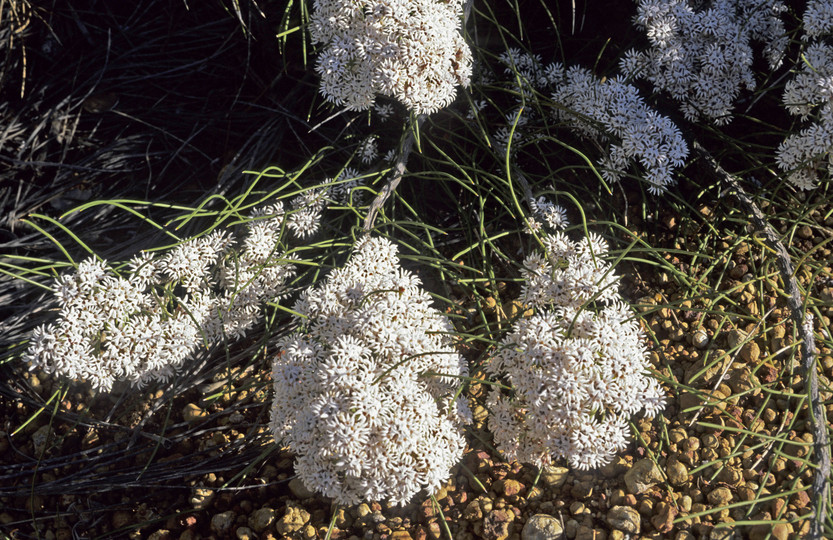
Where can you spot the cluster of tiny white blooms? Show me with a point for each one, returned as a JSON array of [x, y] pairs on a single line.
[[137, 329], [553, 215], [355, 397], [643, 135], [606, 111], [576, 373], [530, 71], [110, 328], [810, 94], [257, 274], [703, 57], [344, 188], [411, 50], [568, 273], [527, 75], [368, 149], [818, 18], [304, 219]]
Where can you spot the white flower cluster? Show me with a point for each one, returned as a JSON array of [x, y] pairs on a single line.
[[142, 327], [368, 149], [703, 56], [356, 397], [411, 50], [545, 213], [576, 372], [810, 94], [605, 110], [818, 18], [644, 136], [344, 190]]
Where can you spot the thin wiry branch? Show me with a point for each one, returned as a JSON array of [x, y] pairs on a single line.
[[398, 171], [804, 327]]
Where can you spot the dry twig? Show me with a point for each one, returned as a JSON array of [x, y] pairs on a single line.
[[804, 327]]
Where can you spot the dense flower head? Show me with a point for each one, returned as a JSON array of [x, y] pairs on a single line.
[[703, 55], [809, 95], [143, 324], [411, 50], [357, 397], [641, 134], [610, 111], [577, 367], [818, 18]]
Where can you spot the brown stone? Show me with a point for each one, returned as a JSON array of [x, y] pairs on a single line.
[[472, 511], [496, 525], [720, 496], [293, 520], [801, 499], [511, 488], [642, 476], [624, 518], [750, 352], [676, 471], [663, 520]]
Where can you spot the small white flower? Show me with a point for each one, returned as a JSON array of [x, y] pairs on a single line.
[[818, 18], [368, 149], [553, 215], [384, 110], [645, 136], [808, 94]]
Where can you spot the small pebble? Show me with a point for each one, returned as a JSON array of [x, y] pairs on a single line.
[[193, 413], [260, 519], [554, 477], [244, 533], [299, 489], [293, 520], [221, 523], [542, 527], [700, 339], [642, 476], [720, 496], [41, 437], [624, 518], [677, 472], [202, 498]]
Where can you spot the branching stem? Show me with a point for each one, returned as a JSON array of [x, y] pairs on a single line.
[[804, 328]]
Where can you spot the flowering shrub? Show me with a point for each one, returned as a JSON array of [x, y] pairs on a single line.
[[808, 94], [143, 326], [411, 50], [703, 57], [353, 396], [610, 112], [577, 372]]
